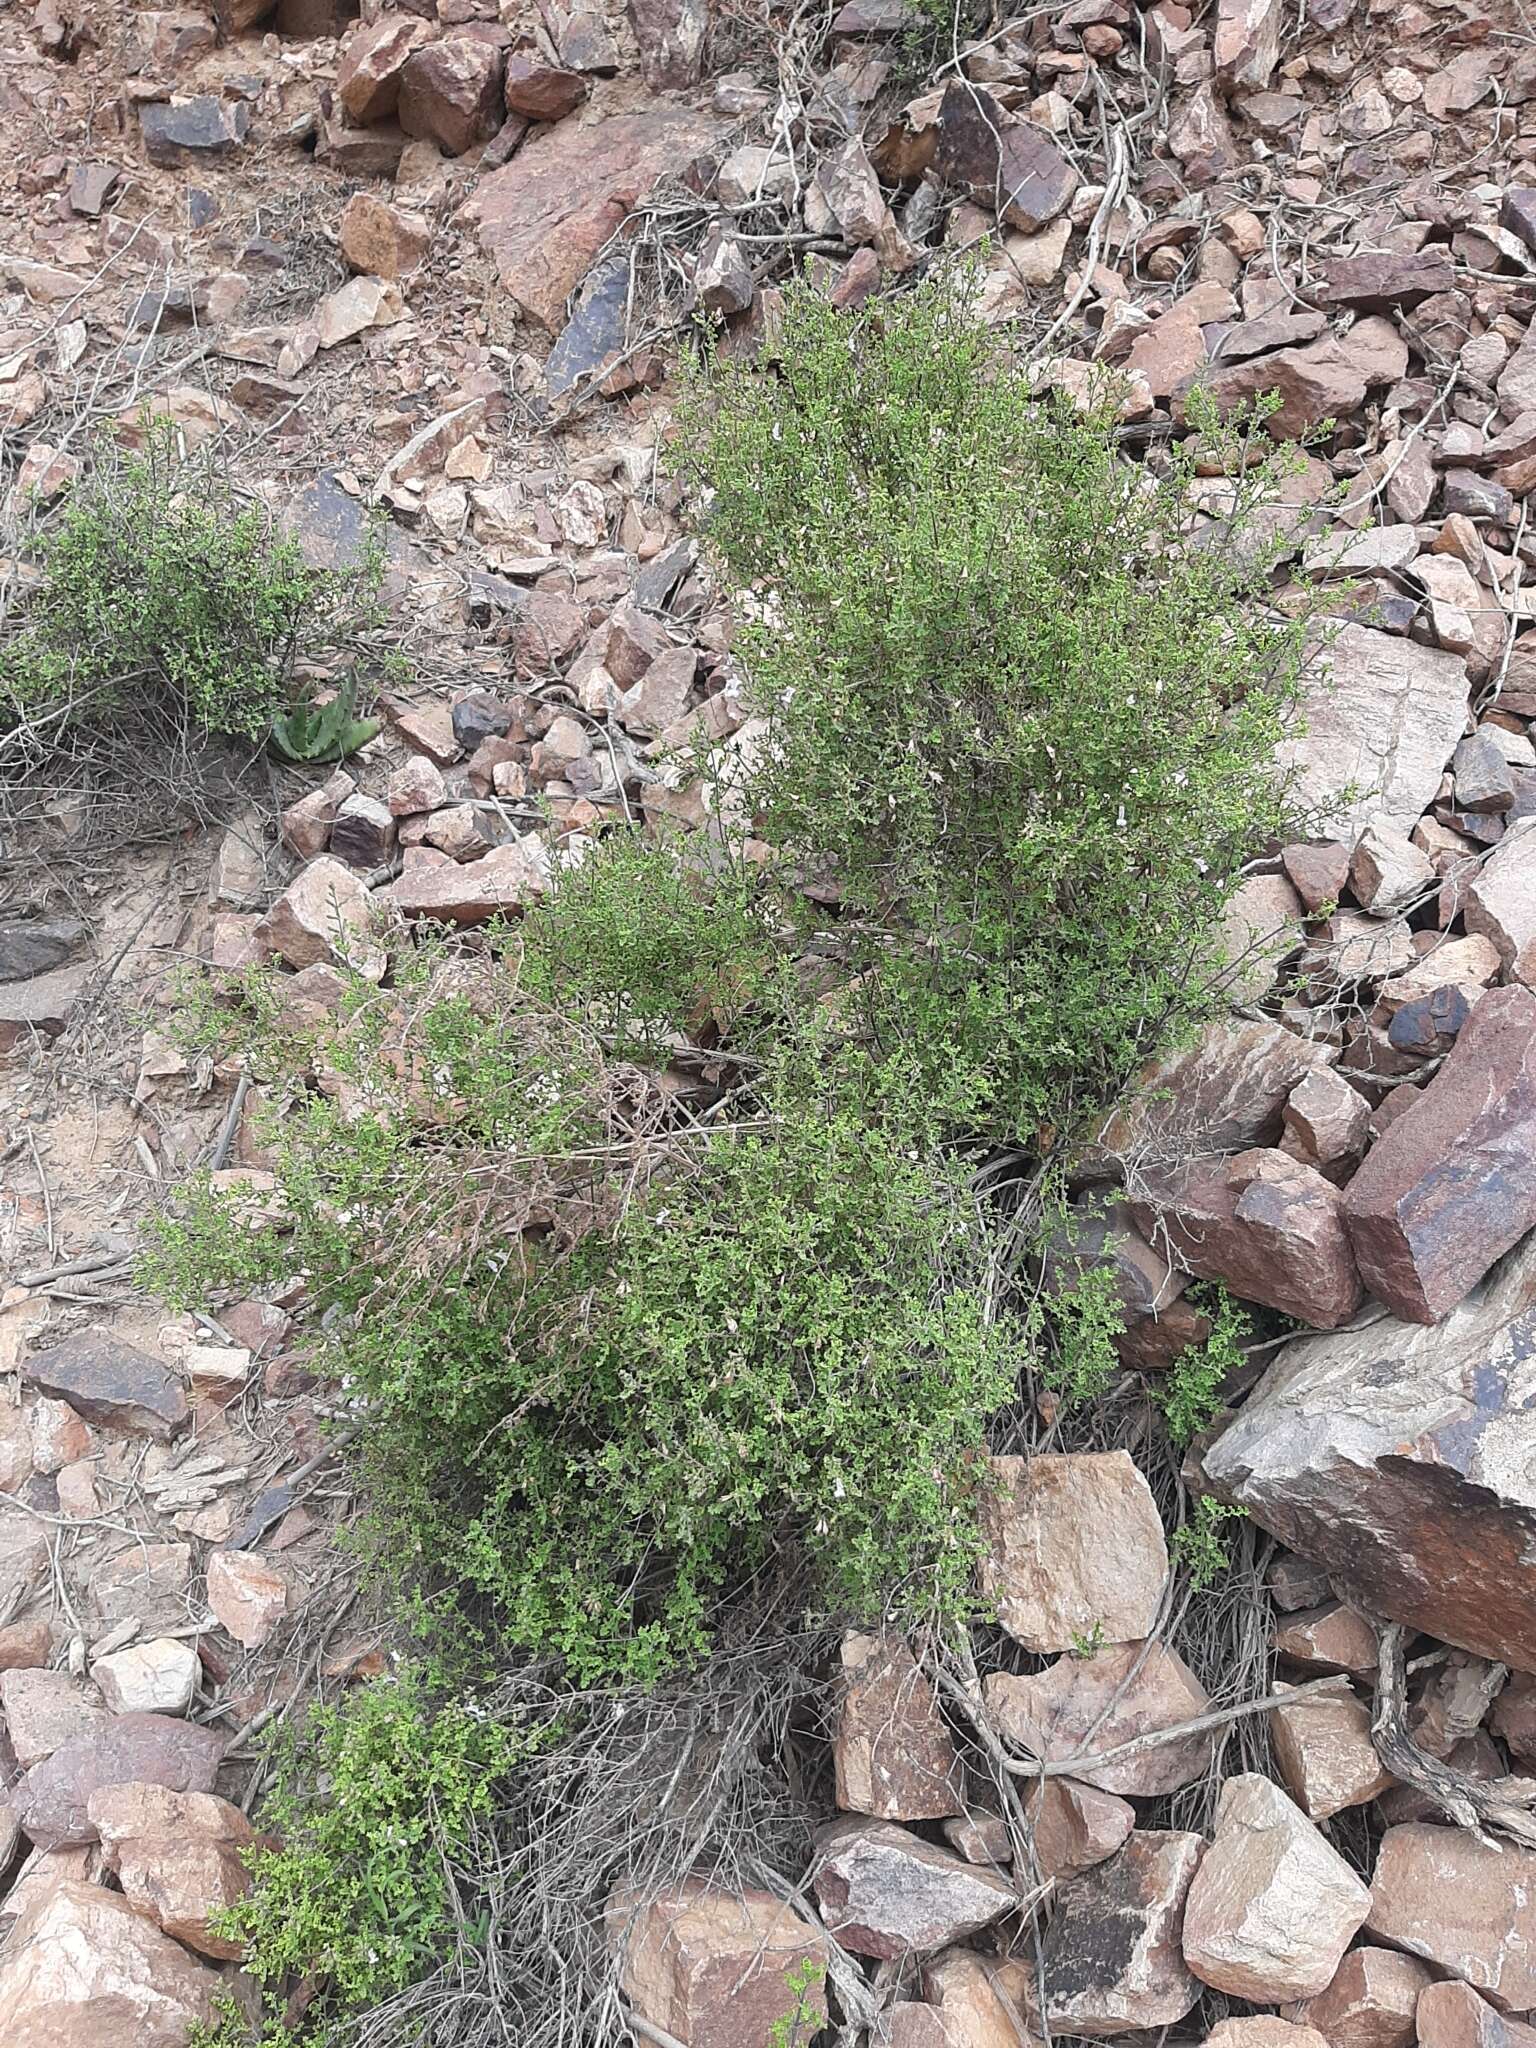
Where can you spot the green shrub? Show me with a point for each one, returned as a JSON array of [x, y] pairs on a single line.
[[1190, 1394], [1199, 1546], [165, 600], [1023, 726], [372, 1810], [614, 1358]]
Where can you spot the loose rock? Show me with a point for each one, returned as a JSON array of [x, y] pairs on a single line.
[[1074, 1544], [892, 1752], [884, 1892], [1050, 1716], [1111, 1956]]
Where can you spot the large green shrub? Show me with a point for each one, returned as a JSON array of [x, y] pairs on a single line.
[[1020, 721]]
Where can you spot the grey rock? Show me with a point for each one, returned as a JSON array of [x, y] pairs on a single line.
[[111, 1383], [30, 946], [52, 1799], [887, 1893], [175, 131], [1111, 1957]]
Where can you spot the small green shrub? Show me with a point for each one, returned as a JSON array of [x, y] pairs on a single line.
[[165, 600], [1190, 1394], [372, 1809], [1013, 716], [1198, 1546]]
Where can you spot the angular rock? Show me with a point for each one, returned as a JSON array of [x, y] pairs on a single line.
[[1158, 1325], [361, 303], [1465, 1905], [177, 1856], [1391, 1455], [1500, 901], [1008, 165], [1065, 1712], [1072, 1826], [247, 1596], [1328, 1638], [1247, 45], [1266, 1226], [306, 824], [1383, 715], [1370, 2003], [1263, 2030], [886, 1893], [1451, 2015], [52, 1799], [540, 91], [1325, 1755], [364, 833], [1327, 1124], [187, 131], [30, 946], [1319, 871], [1485, 780], [845, 197], [1384, 280], [1514, 1718], [891, 1750], [111, 1383], [148, 1583], [672, 36], [368, 77], [1074, 1545], [1111, 1957], [501, 883], [1323, 380], [544, 217], [1226, 1091], [81, 1967], [1259, 930], [1452, 1185], [1273, 1906], [709, 1966], [157, 1677], [451, 93], [1387, 872], [982, 2000], [382, 240], [1172, 349], [325, 914]]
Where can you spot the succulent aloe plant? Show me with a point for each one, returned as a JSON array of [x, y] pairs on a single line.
[[322, 732]]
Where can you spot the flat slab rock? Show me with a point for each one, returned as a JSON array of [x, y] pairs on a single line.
[[1224, 1093], [1111, 1958], [886, 1893], [1383, 716], [1451, 1185], [1082, 1706], [1399, 1458], [111, 1383], [544, 216], [1073, 1543]]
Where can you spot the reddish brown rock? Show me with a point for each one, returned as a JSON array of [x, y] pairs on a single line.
[[43, 1711], [886, 1893], [891, 1750], [544, 217], [983, 2000], [368, 77], [1452, 1185], [1465, 1905], [1514, 1718], [450, 93], [178, 1857], [1329, 1638], [1273, 1906], [306, 824], [382, 240], [111, 1383], [1172, 349], [1370, 2003], [1263, 2030], [502, 883], [1452, 2015], [247, 1595], [1322, 380], [1230, 1086], [1500, 902], [1263, 1224], [672, 35], [1074, 1544], [325, 914], [1393, 1455], [1081, 1706], [52, 1801], [1327, 1124], [1325, 1755], [1008, 165], [1072, 1826], [1111, 1957], [1382, 280], [82, 1967], [1247, 45], [540, 91]]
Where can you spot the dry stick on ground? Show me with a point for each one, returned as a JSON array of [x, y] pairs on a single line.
[[1158, 1738], [1504, 1805]]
